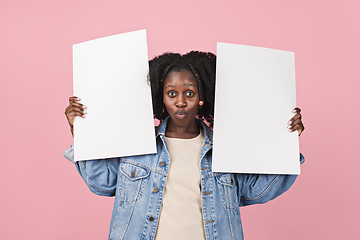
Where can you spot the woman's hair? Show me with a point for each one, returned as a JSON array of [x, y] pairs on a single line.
[[201, 64]]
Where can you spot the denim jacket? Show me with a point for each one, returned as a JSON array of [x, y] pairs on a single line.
[[138, 184]]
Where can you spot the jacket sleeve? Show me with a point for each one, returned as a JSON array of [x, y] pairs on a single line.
[[261, 188], [99, 175]]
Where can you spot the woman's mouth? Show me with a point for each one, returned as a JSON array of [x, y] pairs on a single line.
[[180, 114]]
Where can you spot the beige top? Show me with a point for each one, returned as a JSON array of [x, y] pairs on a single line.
[[181, 212]]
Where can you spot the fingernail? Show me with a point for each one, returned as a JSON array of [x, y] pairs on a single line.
[[83, 116], [85, 112], [83, 107], [289, 122], [78, 99], [290, 130], [289, 126], [294, 111]]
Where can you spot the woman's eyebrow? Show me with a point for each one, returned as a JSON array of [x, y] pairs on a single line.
[[170, 86], [189, 84], [185, 84]]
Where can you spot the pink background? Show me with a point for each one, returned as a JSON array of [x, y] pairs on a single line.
[[42, 195]]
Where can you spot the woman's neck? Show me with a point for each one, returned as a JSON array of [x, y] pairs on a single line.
[[183, 132]]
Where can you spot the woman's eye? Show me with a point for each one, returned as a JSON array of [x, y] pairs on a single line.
[[172, 94], [189, 93]]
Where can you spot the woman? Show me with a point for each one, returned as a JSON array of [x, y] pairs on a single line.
[[173, 194]]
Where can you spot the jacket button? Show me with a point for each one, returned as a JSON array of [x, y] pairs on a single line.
[[156, 189], [162, 164], [133, 174], [151, 219]]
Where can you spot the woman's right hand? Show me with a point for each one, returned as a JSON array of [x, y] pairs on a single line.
[[75, 108]]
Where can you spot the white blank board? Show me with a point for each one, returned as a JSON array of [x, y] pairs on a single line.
[[109, 75], [254, 98]]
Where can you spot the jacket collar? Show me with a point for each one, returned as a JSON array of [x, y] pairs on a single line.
[[208, 133]]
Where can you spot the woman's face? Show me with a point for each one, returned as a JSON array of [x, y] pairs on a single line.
[[181, 97]]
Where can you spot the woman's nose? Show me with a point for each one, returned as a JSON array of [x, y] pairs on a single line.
[[180, 102]]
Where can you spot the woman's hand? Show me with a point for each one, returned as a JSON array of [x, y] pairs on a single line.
[[74, 109], [295, 122]]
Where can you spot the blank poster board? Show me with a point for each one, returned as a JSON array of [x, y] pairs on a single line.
[[254, 98], [109, 76]]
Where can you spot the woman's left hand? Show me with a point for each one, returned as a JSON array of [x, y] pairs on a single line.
[[295, 122]]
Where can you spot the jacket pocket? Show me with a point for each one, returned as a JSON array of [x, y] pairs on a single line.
[[132, 181], [228, 190]]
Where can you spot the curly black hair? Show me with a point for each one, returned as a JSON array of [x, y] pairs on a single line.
[[201, 64]]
